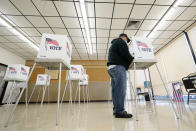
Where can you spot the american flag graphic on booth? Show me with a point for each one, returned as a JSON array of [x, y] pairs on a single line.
[[23, 70], [68, 49], [141, 44], [12, 69], [51, 41], [41, 78], [74, 70]]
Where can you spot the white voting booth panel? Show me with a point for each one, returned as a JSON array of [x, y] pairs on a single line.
[[75, 72], [85, 80], [144, 58], [16, 72], [43, 80], [55, 48]]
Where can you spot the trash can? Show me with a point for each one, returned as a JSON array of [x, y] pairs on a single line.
[[146, 96]]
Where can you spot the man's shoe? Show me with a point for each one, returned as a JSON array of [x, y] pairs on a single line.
[[123, 115]]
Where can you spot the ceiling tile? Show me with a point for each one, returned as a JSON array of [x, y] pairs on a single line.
[[5, 31], [31, 31], [137, 13], [54, 22], [167, 34], [46, 7], [188, 14], [66, 8], [130, 32], [26, 7], [176, 25], [71, 22], [75, 32], [142, 33], [90, 9], [118, 23], [148, 24], [38, 21], [7, 8], [45, 30], [164, 2], [20, 21], [104, 10], [103, 23], [115, 33], [122, 10], [102, 40], [157, 12], [60, 31], [3, 39], [102, 33], [144, 1]]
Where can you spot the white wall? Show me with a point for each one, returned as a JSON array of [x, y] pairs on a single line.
[[178, 62], [7, 58]]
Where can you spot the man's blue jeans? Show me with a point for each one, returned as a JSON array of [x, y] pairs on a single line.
[[119, 86]]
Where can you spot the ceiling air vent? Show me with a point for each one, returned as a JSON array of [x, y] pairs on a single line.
[[133, 24]]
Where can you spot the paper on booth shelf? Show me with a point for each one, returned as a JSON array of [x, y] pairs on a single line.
[[142, 48], [55, 47], [16, 72], [75, 72], [43, 80]]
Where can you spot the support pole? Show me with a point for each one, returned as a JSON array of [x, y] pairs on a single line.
[[59, 90], [136, 109], [176, 114]]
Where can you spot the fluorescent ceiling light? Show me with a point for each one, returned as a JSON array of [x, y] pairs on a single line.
[[83, 10], [7, 23], [165, 17]]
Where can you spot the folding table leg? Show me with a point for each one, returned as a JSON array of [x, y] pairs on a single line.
[[176, 114], [70, 92], [64, 92], [79, 92], [43, 95], [38, 95], [48, 87], [9, 100], [31, 94], [59, 91], [83, 89], [88, 94], [76, 94], [136, 97], [12, 112]]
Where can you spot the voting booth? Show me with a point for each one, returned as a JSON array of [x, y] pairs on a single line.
[[43, 81], [75, 74], [142, 51], [54, 54], [16, 72], [84, 84]]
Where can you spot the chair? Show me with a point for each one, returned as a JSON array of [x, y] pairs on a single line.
[[139, 92], [189, 86]]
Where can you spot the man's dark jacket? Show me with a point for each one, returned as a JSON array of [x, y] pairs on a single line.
[[119, 53]]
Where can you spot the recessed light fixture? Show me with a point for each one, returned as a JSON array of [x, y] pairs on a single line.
[[165, 17], [85, 20], [9, 25]]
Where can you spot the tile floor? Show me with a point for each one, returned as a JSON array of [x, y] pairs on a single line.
[[97, 116]]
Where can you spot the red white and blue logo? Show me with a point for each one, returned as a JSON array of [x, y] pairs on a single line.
[[12, 70], [23, 71], [53, 44], [143, 47], [74, 70], [41, 78]]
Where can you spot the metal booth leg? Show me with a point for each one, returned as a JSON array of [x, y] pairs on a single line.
[[38, 95], [136, 97], [48, 86], [12, 112], [86, 93], [150, 94], [76, 94], [43, 95], [79, 92], [70, 92], [176, 114], [59, 90], [31, 94], [64, 92], [83, 90]]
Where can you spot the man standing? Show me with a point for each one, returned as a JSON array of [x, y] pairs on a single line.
[[119, 60]]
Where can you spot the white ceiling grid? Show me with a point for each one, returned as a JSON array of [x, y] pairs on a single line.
[[107, 19]]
